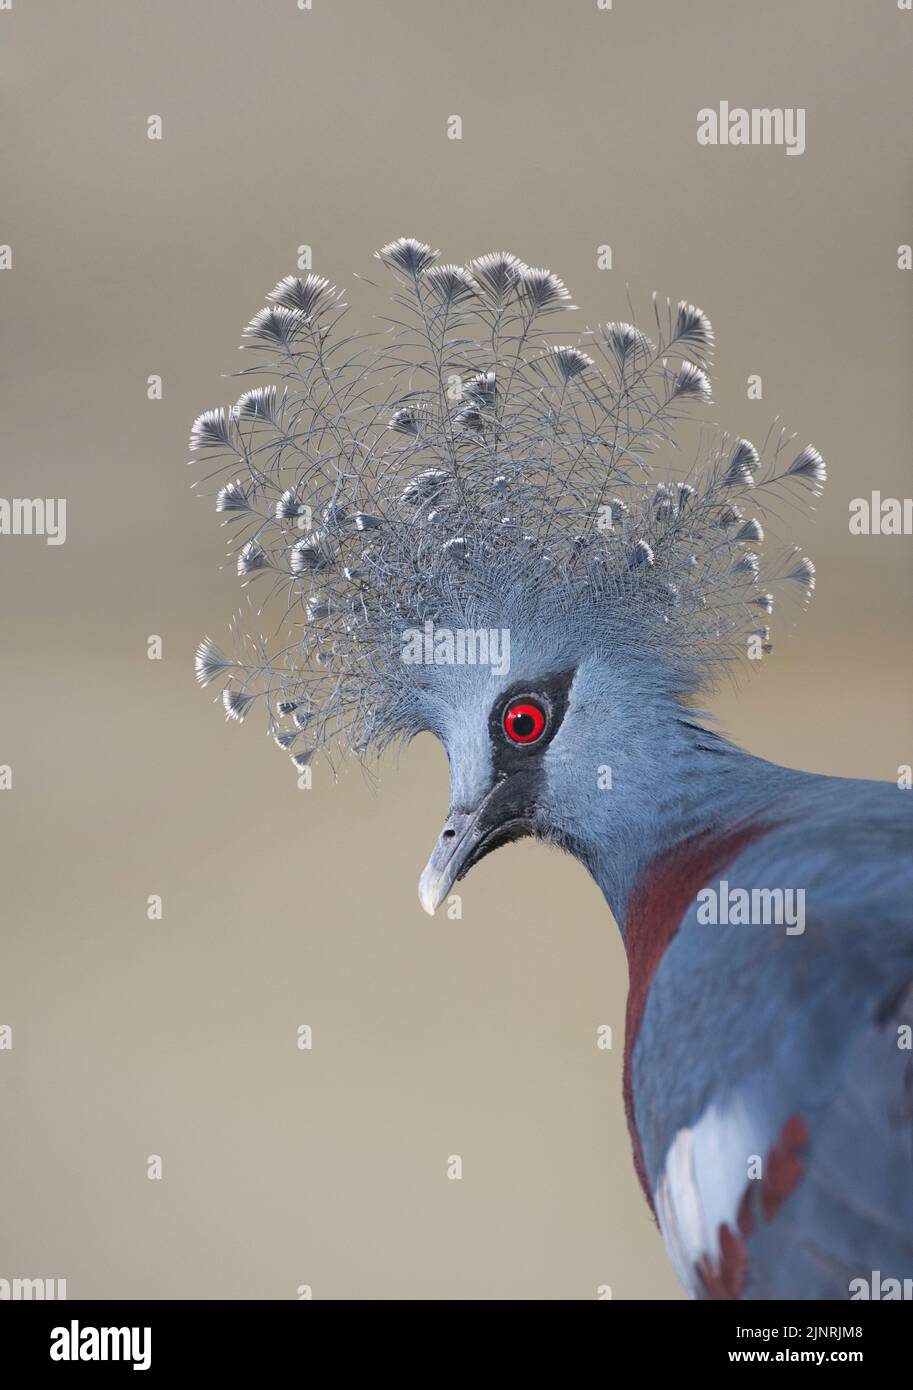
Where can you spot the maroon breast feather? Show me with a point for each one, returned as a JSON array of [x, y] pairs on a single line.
[[666, 889]]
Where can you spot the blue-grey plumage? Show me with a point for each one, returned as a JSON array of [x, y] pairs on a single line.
[[464, 477], [752, 1028], [795, 1021]]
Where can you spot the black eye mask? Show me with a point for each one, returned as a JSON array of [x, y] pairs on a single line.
[[516, 738]]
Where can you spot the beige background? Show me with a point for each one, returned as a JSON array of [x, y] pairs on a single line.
[[132, 257]]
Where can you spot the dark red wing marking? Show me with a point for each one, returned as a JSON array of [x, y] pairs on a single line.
[[661, 897], [726, 1278], [783, 1170]]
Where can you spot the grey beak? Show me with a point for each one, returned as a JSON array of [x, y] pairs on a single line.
[[505, 813], [458, 840]]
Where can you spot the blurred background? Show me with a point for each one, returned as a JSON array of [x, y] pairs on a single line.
[[133, 257]]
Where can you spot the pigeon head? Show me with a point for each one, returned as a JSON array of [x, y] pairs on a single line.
[[456, 525], [498, 743], [536, 733]]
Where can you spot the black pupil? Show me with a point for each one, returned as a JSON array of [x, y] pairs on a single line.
[[523, 724]]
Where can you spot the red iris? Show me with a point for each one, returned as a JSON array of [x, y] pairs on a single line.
[[524, 722]]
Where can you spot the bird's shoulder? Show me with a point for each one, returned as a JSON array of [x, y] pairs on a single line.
[[779, 1191], [760, 1034]]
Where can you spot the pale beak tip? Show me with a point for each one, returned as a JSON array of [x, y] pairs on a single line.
[[428, 897], [430, 887]]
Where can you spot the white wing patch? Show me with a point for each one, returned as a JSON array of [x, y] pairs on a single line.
[[701, 1185]]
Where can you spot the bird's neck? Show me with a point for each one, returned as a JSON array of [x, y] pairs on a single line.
[[685, 805]]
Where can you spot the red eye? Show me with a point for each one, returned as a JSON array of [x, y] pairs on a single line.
[[523, 722]]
